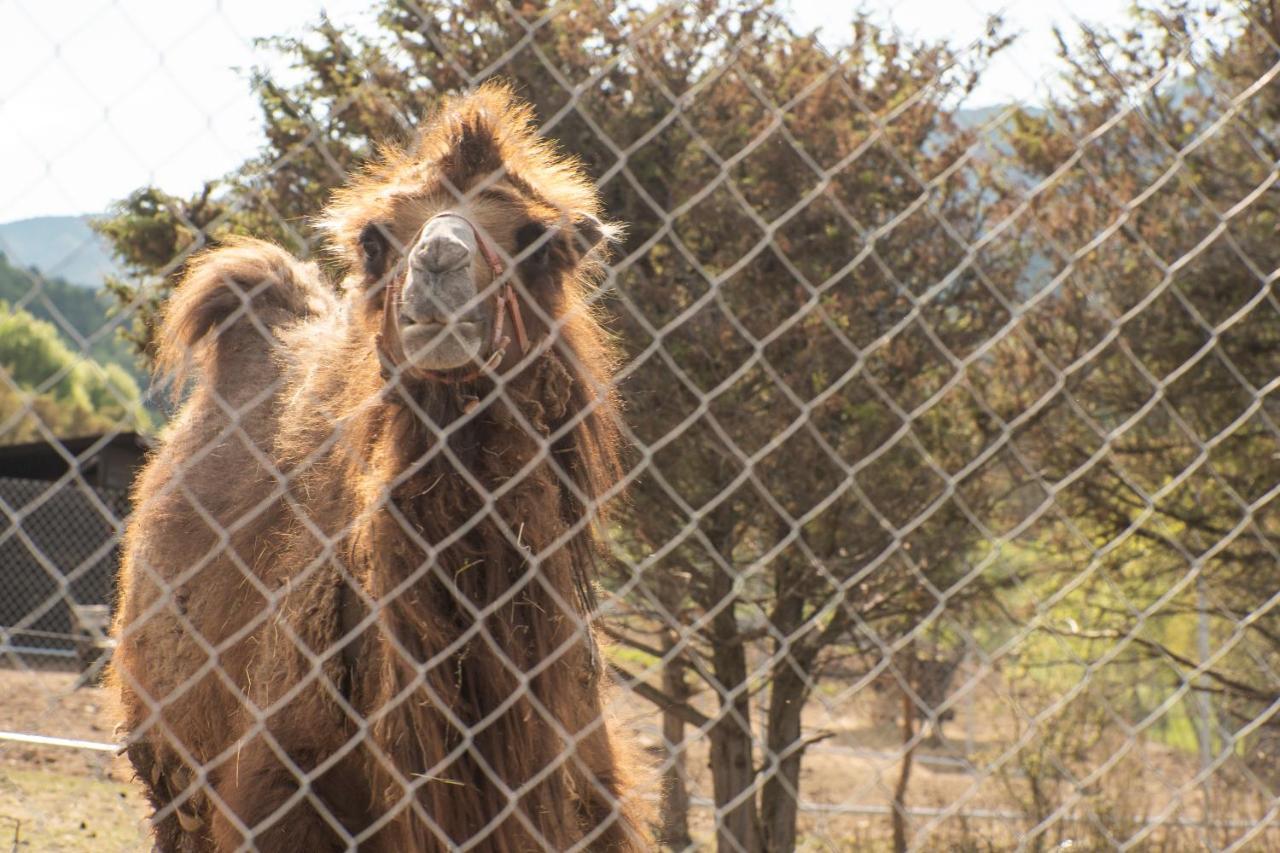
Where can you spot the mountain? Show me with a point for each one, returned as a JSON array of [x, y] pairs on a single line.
[[62, 247]]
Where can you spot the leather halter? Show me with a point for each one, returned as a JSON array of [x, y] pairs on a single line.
[[390, 343]]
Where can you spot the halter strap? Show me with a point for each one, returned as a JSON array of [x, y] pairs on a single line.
[[390, 343]]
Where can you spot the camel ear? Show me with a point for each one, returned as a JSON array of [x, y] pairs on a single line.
[[589, 231]]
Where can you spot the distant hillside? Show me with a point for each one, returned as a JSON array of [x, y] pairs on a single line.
[[60, 247]]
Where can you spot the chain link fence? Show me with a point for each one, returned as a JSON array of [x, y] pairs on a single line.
[[59, 553], [826, 465]]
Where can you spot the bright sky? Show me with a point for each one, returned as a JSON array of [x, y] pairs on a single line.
[[98, 97]]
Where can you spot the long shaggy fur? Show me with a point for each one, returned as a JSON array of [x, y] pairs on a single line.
[[356, 610]]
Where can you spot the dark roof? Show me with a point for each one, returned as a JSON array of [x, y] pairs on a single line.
[[102, 459]]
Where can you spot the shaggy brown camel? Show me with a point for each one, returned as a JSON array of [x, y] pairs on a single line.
[[356, 583]]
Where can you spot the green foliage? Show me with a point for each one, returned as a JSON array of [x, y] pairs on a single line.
[[76, 311], [45, 383]]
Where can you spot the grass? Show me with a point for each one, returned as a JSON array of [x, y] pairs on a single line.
[[48, 811]]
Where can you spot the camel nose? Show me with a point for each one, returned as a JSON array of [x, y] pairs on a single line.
[[442, 252]]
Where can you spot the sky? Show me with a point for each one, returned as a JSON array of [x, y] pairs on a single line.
[[80, 81]]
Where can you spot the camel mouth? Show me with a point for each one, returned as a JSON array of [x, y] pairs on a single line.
[[434, 345]]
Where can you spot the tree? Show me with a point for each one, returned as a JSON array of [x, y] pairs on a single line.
[[812, 444], [47, 390], [1152, 228], [80, 314]]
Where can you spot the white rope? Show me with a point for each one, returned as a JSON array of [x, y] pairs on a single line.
[[70, 743]]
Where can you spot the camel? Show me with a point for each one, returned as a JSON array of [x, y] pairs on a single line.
[[357, 584]]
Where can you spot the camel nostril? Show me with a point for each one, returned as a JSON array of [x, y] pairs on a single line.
[[443, 253]]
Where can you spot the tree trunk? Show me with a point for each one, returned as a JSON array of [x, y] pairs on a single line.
[[675, 805], [732, 768], [780, 802], [908, 757], [789, 690]]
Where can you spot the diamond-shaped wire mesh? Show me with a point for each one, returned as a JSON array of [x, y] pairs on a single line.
[[785, 456]]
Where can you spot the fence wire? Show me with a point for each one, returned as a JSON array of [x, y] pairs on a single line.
[[825, 464], [59, 552]]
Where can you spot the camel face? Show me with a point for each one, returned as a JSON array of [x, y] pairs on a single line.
[[445, 277], [468, 253], [445, 315]]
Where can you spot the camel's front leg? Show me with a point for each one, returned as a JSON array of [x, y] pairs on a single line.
[[176, 825], [268, 797]]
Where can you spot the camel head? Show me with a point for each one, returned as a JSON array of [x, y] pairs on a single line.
[[471, 247]]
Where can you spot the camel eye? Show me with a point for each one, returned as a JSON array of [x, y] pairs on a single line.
[[373, 243], [529, 234]]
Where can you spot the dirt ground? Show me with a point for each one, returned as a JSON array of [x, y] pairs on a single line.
[[54, 798]]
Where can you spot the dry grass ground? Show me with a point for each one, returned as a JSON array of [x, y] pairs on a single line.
[[61, 799], [54, 798]]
